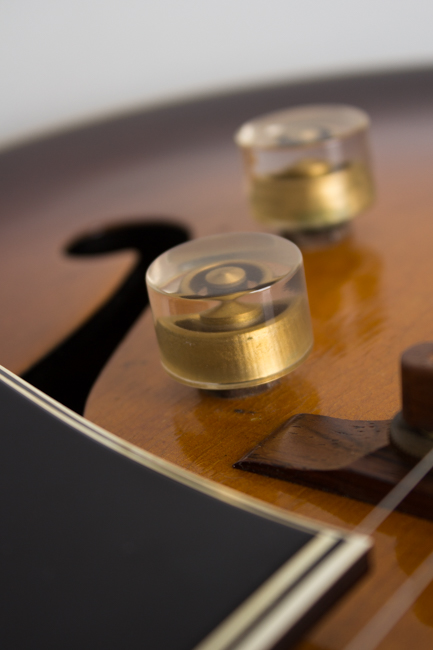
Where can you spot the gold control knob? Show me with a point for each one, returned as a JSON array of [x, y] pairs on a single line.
[[230, 311], [308, 168]]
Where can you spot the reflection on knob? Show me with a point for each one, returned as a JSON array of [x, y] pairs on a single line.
[[307, 167], [230, 311]]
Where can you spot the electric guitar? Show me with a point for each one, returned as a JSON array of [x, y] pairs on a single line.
[[86, 211]]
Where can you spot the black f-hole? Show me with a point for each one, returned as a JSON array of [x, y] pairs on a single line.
[[69, 371]]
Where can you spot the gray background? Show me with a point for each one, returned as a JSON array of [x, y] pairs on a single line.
[[66, 62]]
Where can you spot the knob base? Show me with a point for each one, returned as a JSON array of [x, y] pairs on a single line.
[[413, 442]]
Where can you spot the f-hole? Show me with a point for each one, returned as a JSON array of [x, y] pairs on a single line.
[[68, 372]]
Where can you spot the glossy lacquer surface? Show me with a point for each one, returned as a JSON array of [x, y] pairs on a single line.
[[371, 296]]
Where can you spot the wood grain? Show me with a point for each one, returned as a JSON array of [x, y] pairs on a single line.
[[348, 457], [370, 297]]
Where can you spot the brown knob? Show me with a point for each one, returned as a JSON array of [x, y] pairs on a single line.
[[417, 386]]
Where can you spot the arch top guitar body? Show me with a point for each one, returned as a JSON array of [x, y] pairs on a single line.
[[85, 212]]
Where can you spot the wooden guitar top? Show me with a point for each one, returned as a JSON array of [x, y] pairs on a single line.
[[371, 296]]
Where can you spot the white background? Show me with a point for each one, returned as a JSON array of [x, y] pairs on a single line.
[[63, 62]]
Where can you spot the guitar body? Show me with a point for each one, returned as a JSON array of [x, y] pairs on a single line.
[[371, 296]]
